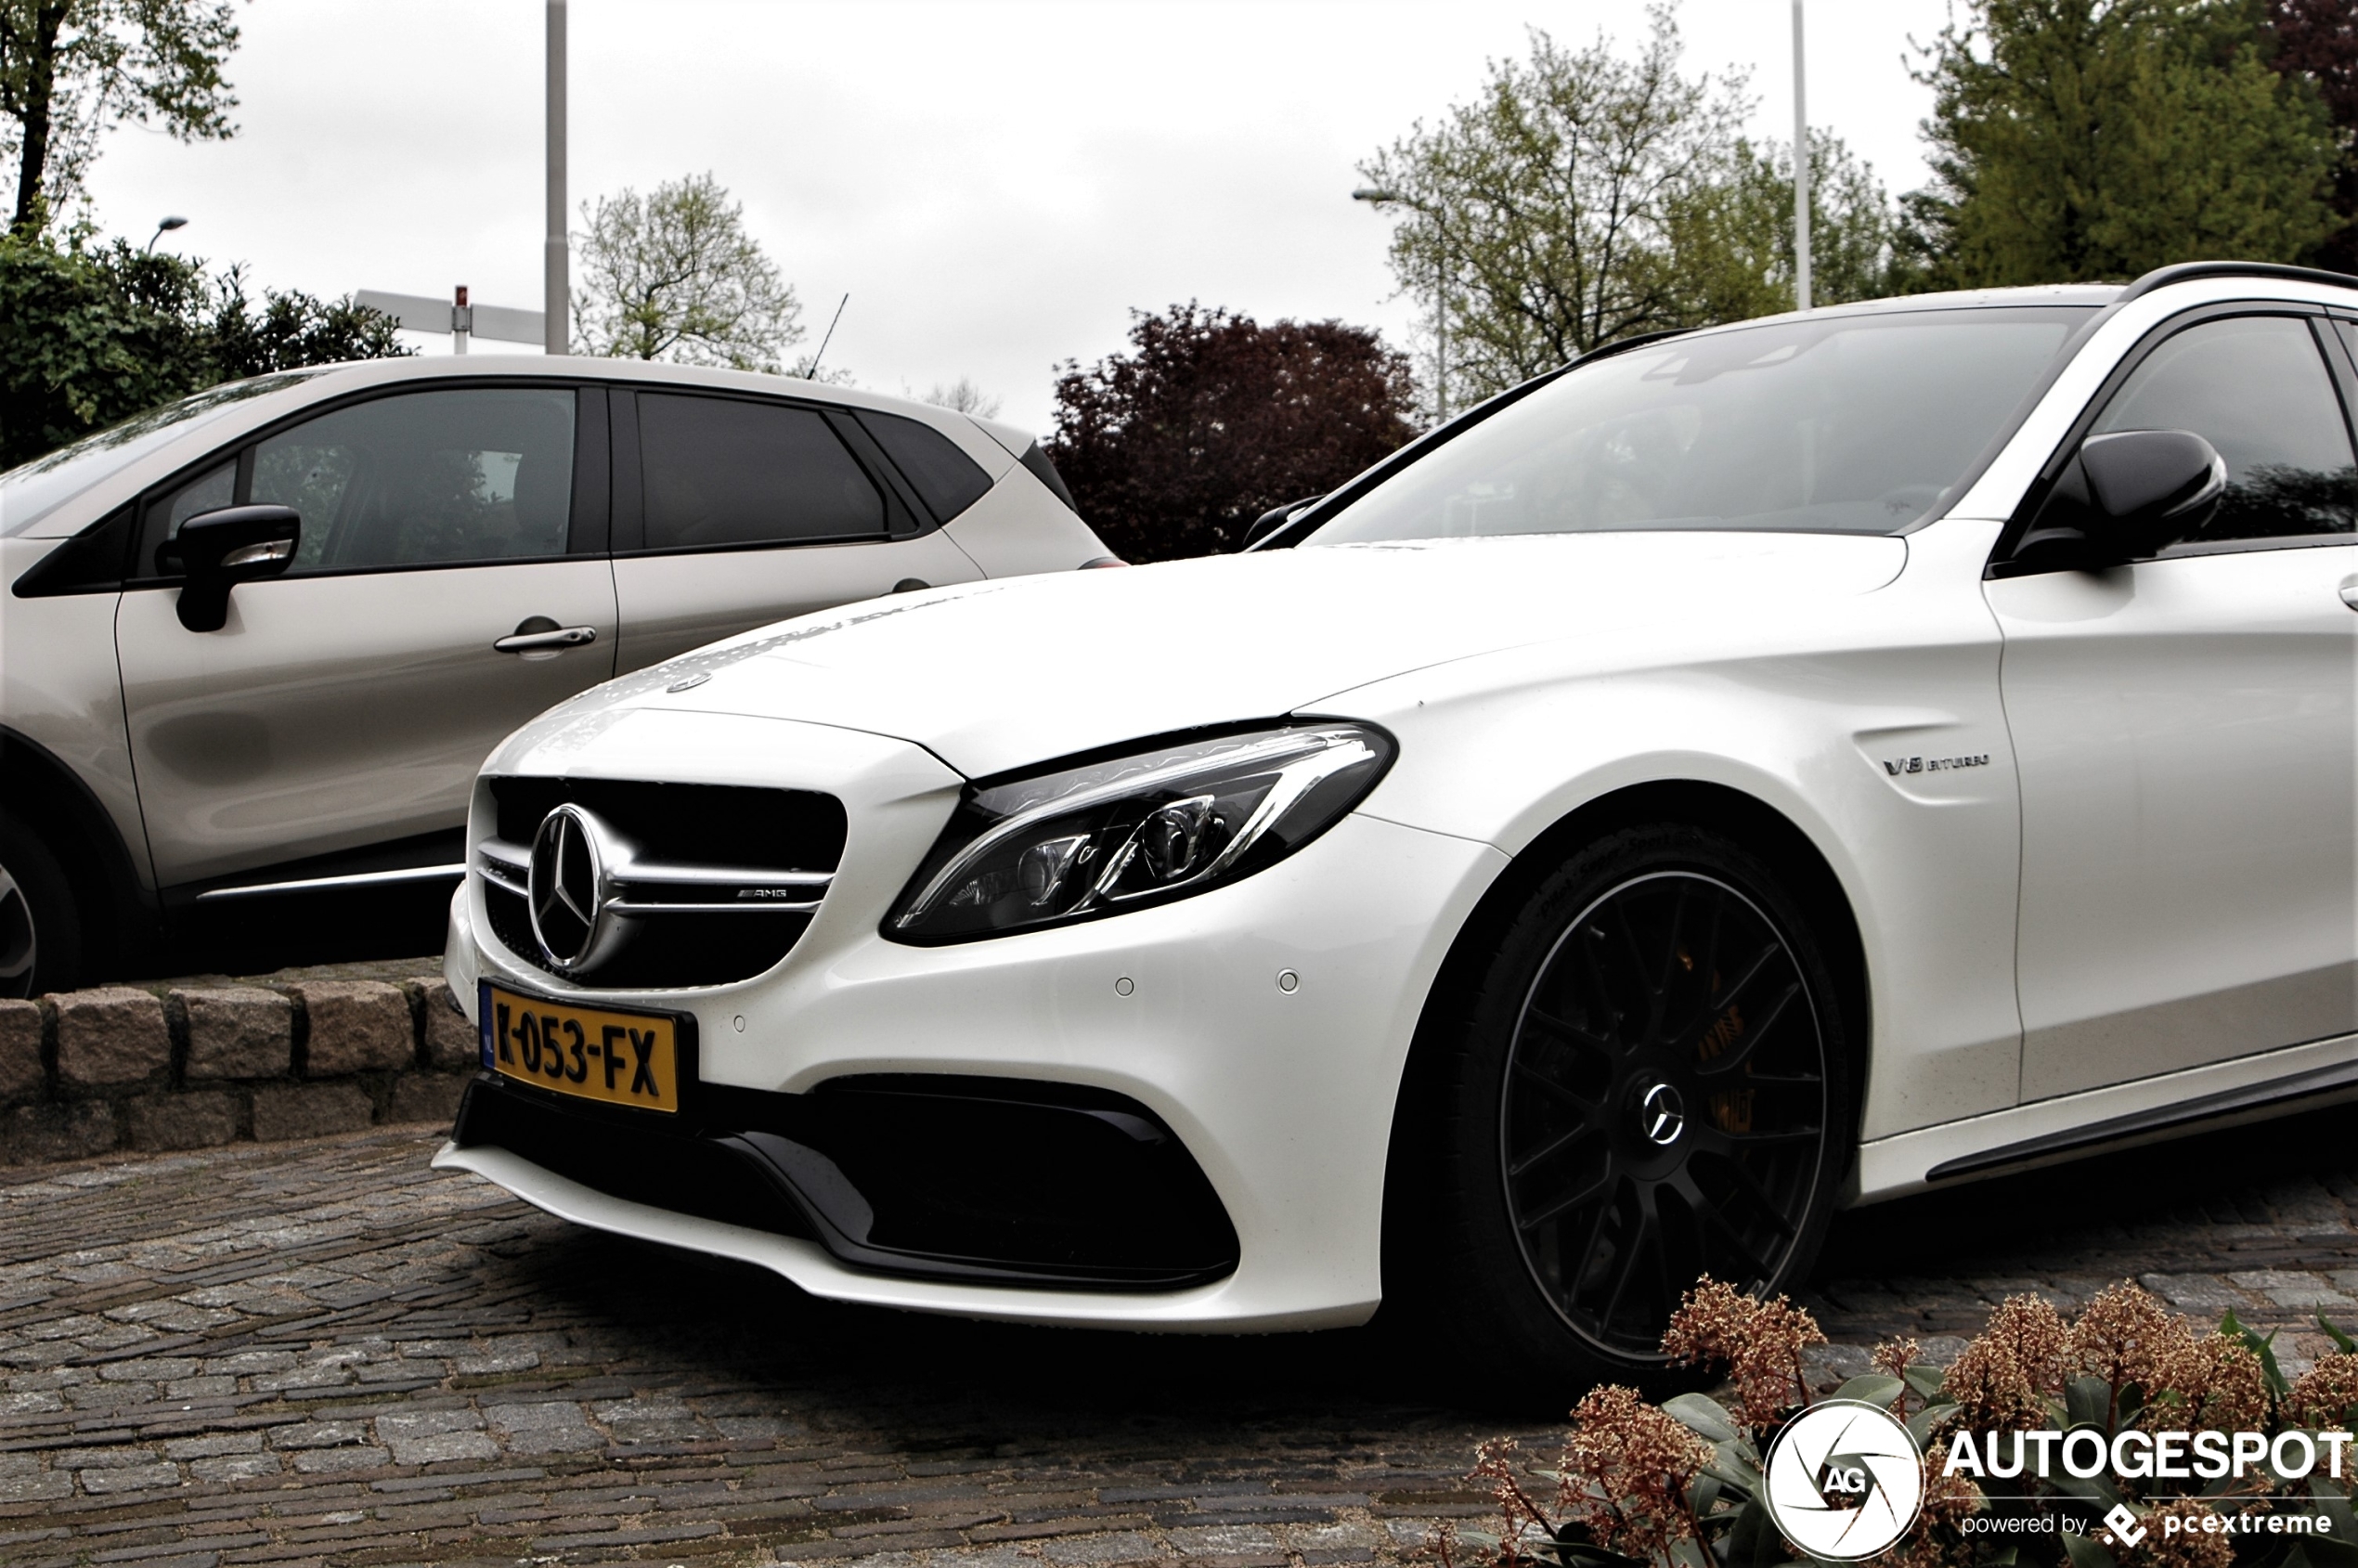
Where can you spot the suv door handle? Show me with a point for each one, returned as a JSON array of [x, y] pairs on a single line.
[[548, 637]]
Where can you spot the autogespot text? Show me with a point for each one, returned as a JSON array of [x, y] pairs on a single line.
[[2084, 1453]]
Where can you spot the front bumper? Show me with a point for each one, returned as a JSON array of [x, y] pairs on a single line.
[[1282, 1099]]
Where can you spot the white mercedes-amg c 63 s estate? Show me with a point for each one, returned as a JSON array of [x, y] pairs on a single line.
[[1747, 773]]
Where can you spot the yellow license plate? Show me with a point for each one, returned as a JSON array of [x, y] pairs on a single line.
[[621, 1059]]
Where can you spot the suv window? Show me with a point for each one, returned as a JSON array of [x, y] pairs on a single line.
[[209, 492], [426, 478], [945, 478], [722, 471], [2257, 389]]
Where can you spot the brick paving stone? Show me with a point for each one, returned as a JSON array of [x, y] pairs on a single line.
[[323, 1352]]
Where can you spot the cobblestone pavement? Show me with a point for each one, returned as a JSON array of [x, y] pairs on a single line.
[[326, 1353]]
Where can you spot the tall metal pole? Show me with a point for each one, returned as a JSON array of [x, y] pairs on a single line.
[[1441, 323], [1800, 169], [556, 265]]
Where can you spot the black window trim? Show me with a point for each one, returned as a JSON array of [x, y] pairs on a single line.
[[905, 516], [2035, 497]]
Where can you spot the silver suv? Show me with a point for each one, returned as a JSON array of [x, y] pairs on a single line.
[[259, 640]]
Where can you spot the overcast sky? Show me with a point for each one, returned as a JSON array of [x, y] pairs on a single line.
[[996, 185]]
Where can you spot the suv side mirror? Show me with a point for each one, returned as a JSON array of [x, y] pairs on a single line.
[[2124, 495], [219, 550], [1275, 518]]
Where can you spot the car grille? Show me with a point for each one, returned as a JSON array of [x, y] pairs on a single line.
[[717, 883]]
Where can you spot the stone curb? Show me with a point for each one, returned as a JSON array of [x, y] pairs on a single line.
[[121, 1068]]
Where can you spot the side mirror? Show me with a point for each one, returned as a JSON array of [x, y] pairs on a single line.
[[219, 550], [2125, 495], [1275, 518]]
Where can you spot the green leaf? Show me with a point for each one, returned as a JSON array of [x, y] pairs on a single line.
[[1704, 1416], [2334, 1508], [2327, 1552], [1926, 1379], [2085, 1552], [2097, 1488], [2087, 1401], [2264, 1348], [1755, 1542], [1874, 1388], [1920, 1425], [2342, 1341]]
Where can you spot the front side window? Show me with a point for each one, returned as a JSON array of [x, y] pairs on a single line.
[[721, 471], [2256, 388], [1860, 423], [426, 479]]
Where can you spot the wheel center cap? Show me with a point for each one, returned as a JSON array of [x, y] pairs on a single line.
[[1661, 1115]]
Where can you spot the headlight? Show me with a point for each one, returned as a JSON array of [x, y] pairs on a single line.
[[1096, 838]]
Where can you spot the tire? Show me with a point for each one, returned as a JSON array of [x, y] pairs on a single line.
[[39, 919], [1645, 1077]]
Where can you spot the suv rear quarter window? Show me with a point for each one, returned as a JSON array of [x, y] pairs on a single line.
[[725, 471]]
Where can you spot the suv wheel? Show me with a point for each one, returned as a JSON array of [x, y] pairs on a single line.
[[1650, 1083], [40, 925]]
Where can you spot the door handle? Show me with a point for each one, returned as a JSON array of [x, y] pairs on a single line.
[[2350, 594], [911, 585], [523, 641]]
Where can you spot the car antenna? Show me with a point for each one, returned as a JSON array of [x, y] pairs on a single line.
[[811, 373]]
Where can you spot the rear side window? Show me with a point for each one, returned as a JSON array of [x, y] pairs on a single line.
[[945, 478], [718, 470], [2256, 388], [426, 479]]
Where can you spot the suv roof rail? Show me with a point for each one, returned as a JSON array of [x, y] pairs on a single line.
[[2187, 272]]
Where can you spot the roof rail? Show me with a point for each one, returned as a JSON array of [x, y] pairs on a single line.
[[2187, 272]]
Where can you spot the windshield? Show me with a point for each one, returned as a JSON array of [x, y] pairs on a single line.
[[1841, 423], [31, 491]]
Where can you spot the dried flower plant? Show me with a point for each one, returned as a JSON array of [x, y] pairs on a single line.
[[2321, 1397], [1892, 1357], [1627, 1472], [1758, 1341], [2035, 1333], [2215, 1382], [2127, 1336]]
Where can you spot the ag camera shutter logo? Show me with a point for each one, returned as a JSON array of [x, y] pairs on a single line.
[[1844, 1479]]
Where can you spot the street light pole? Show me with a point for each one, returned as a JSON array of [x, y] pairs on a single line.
[[162, 228], [1800, 169], [1376, 197], [556, 283]]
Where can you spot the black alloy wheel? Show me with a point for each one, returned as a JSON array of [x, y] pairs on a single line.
[[1649, 1085]]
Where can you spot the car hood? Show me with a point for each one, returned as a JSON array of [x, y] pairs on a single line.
[[997, 675]]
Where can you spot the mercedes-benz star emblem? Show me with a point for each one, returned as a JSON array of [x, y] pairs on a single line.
[[1661, 1115], [566, 886]]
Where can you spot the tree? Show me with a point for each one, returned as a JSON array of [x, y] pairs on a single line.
[[1173, 448], [91, 336], [71, 70], [2318, 40], [1584, 197], [965, 396], [2086, 139], [675, 276]]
